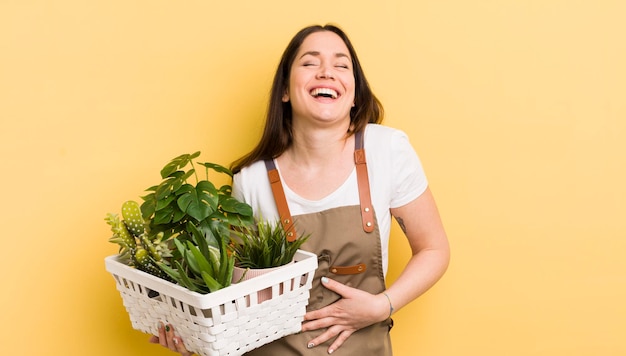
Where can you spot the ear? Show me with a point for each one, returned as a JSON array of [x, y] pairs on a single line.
[[286, 96]]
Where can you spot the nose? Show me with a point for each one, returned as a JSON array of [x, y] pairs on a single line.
[[326, 73]]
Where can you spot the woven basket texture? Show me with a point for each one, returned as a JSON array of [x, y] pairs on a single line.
[[228, 322]]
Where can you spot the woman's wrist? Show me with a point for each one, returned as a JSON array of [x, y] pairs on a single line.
[[391, 309]]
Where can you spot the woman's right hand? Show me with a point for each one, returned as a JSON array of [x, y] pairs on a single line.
[[167, 339]]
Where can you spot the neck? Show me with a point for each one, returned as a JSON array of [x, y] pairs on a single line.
[[316, 147]]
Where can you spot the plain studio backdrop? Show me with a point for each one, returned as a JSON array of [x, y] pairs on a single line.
[[516, 108]]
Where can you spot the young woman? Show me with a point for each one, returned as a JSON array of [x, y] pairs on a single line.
[[340, 176]]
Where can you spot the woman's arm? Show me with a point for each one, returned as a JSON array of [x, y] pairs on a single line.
[[421, 223], [357, 309]]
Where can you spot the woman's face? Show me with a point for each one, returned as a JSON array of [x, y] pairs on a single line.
[[321, 81]]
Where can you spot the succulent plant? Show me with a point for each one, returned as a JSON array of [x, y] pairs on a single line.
[[201, 268], [181, 230], [264, 245]]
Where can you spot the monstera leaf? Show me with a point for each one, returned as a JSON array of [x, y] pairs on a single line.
[[200, 201]]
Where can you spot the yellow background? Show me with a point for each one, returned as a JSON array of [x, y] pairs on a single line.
[[517, 109]]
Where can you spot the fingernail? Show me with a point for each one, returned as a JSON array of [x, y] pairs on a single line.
[[310, 345], [167, 328], [330, 351], [324, 280], [176, 341], [160, 325]]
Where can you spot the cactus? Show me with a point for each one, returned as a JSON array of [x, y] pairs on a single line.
[[146, 263], [141, 250], [132, 217]]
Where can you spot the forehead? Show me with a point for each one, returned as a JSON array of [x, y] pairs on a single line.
[[323, 42]]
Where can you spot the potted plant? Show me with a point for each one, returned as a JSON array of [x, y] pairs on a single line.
[[264, 245], [181, 230], [262, 248]]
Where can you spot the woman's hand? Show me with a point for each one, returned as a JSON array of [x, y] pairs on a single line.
[[355, 310], [167, 339]]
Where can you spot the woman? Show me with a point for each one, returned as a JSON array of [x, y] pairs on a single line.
[[321, 116]]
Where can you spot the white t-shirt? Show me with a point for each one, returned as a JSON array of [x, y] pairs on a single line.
[[395, 174]]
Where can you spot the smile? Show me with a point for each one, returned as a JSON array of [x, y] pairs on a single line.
[[324, 92]]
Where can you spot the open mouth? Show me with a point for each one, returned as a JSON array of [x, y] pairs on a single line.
[[324, 93]]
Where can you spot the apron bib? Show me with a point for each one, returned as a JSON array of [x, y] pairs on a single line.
[[347, 243]]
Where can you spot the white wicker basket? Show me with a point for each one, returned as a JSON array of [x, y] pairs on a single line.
[[226, 322]]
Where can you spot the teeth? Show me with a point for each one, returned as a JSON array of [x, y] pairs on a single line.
[[326, 92]]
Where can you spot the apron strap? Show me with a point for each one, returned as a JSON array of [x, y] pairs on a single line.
[[279, 197], [367, 212]]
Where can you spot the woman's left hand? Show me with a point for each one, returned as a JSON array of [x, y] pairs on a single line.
[[169, 340], [355, 310]]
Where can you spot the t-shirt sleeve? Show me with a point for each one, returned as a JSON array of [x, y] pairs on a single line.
[[408, 179], [237, 192], [251, 186]]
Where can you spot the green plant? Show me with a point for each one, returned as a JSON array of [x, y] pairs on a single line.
[[174, 202], [181, 230], [264, 245], [201, 268], [139, 248]]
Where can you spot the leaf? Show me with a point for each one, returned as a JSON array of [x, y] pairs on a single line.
[[178, 215], [234, 219], [181, 180], [227, 263], [200, 202], [211, 282], [170, 184], [152, 188], [198, 238], [178, 162], [181, 278], [229, 271], [226, 190], [191, 262], [165, 188], [163, 216], [170, 271], [206, 227], [216, 262], [233, 205], [148, 206], [162, 203], [180, 247], [217, 167], [202, 264]]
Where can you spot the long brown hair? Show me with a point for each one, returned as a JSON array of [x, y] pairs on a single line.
[[277, 134]]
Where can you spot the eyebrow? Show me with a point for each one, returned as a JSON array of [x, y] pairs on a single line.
[[317, 53]]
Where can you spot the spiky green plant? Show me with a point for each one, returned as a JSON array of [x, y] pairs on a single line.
[[264, 245], [201, 268]]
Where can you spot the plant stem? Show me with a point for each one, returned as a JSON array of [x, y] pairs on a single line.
[[195, 173]]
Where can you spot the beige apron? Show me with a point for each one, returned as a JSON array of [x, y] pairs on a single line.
[[347, 243]]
